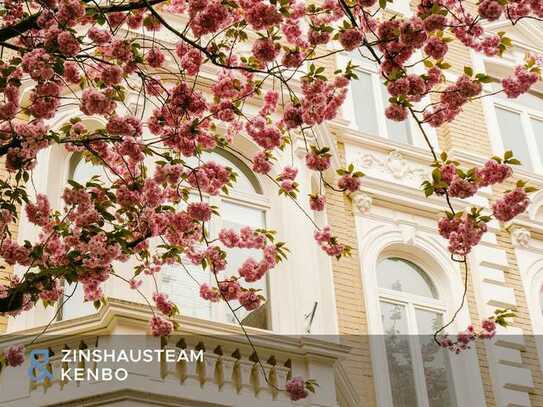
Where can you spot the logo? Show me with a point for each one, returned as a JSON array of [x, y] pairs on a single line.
[[38, 371]]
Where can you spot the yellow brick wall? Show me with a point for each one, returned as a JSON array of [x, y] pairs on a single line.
[[351, 312], [468, 133]]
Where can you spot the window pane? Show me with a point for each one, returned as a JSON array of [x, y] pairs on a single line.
[[530, 100], [364, 104], [182, 286], [74, 302], [74, 296], [437, 369], [84, 171], [512, 135], [537, 127], [402, 275], [400, 365], [397, 131], [235, 216]]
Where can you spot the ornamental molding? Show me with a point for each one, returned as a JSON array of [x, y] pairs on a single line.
[[362, 202], [521, 237], [395, 165]]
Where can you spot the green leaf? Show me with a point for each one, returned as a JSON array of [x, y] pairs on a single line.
[[468, 70]]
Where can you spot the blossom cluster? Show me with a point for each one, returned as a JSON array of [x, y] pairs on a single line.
[[464, 339], [73, 56], [12, 356]]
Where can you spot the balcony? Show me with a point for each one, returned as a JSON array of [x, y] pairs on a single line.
[[228, 374]]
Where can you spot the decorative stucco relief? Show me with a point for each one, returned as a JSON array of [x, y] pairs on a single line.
[[392, 166], [521, 237], [362, 202]]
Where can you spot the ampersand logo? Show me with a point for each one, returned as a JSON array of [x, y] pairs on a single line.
[[38, 371]]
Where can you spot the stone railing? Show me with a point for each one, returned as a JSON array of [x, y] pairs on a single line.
[[219, 366]]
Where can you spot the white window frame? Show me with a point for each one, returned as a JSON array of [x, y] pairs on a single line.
[[513, 58], [220, 311], [411, 303], [526, 113], [348, 111], [378, 239]]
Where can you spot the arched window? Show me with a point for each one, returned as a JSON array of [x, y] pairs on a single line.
[[411, 309], [81, 171], [243, 206]]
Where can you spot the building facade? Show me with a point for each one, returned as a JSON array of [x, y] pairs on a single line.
[[361, 326]]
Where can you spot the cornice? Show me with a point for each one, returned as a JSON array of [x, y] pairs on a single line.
[[117, 312]]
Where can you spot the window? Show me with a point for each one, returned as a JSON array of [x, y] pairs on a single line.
[[80, 171], [370, 98], [365, 107], [243, 206], [520, 126], [419, 372]]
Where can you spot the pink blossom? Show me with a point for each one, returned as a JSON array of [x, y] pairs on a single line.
[[209, 294], [462, 232], [328, 243], [448, 172], [512, 204], [292, 58], [436, 48], [318, 161], [95, 102], [292, 116], [265, 136], [288, 173], [261, 15], [163, 304], [111, 74], [229, 289], [99, 36], [68, 44], [490, 9], [38, 213], [229, 238], [296, 389], [199, 211], [209, 177], [265, 50], [14, 355], [519, 83], [135, 284], [348, 182], [262, 163], [351, 38], [160, 326], [71, 72], [461, 188], [38, 64], [250, 300], [493, 173], [396, 112], [154, 57], [317, 202]]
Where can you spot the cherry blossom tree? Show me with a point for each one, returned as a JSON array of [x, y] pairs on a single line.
[[88, 55]]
